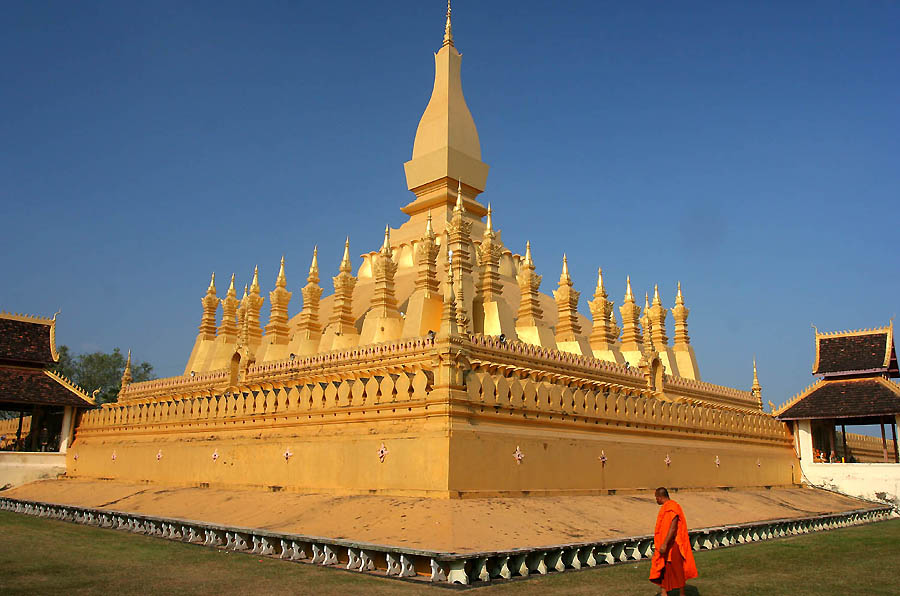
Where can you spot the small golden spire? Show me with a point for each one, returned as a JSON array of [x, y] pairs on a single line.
[[386, 246], [528, 260], [281, 281], [314, 266], [564, 277], [231, 291], [126, 374], [245, 292], [656, 300], [629, 295], [429, 230], [646, 301], [212, 285], [345, 261], [448, 28], [254, 285], [679, 299], [489, 224], [600, 289], [459, 199]]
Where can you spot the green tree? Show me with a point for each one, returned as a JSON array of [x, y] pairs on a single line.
[[99, 370]]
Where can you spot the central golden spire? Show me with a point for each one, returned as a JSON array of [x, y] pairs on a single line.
[[446, 149], [448, 28]]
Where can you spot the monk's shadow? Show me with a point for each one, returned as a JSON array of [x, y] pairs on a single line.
[[688, 591]]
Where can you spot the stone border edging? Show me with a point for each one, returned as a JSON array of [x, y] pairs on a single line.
[[440, 567]]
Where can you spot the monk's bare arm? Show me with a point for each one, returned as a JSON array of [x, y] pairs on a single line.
[[667, 543]]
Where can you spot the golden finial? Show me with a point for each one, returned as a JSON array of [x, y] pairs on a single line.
[[245, 292], [315, 260], [386, 246], [254, 285], [656, 300], [756, 388], [429, 230], [231, 291], [679, 299], [126, 374], [646, 301], [281, 281], [600, 289], [448, 29], [212, 285], [528, 260], [564, 277], [459, 199], [489, 224], [345, 261], [629, 295]]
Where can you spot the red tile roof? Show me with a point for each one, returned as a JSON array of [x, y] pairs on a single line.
[[846, 398], [36, 386], [26, 341], [855, 352]]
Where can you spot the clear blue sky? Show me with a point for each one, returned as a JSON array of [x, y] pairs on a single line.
[[750, 150]]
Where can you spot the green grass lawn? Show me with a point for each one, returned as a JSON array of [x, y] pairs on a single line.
[[40, 556]]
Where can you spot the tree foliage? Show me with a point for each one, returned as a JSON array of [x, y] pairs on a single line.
[[99, 370]]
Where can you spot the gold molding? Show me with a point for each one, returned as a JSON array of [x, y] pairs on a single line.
[[71, 386]]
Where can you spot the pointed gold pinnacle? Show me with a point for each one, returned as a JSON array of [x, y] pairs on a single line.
[[345, 261], [231, 291], [212, 285], [281, 281], [448, 28], [564, 277], [429, 230], [629, 295], [656, 300], [254, 285], [386, 246]]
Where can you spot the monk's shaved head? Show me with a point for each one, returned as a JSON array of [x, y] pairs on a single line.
[[662, 492]]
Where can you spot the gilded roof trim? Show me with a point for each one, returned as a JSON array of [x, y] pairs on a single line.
[[71, 386]]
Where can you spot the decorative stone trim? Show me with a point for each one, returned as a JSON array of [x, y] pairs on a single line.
[[443, 567]]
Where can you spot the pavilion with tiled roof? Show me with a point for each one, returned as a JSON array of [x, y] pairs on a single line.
[[855, 368], [29, 386]]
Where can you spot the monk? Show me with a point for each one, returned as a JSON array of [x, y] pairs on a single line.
[[673, 560]]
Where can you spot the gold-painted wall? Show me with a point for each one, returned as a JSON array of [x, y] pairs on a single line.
[[450, 425]]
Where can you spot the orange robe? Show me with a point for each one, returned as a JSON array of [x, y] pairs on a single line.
[[678, 565]]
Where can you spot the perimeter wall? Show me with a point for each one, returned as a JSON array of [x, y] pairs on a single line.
[[440, 419]]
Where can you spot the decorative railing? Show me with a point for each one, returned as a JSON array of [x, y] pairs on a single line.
[[377, 395], [9, 428], [361, 357], [618, 405], [182, 384], [864, 448], [372, 392]]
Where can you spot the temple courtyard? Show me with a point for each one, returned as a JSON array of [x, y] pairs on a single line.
[[50, 557], [447, 525]]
